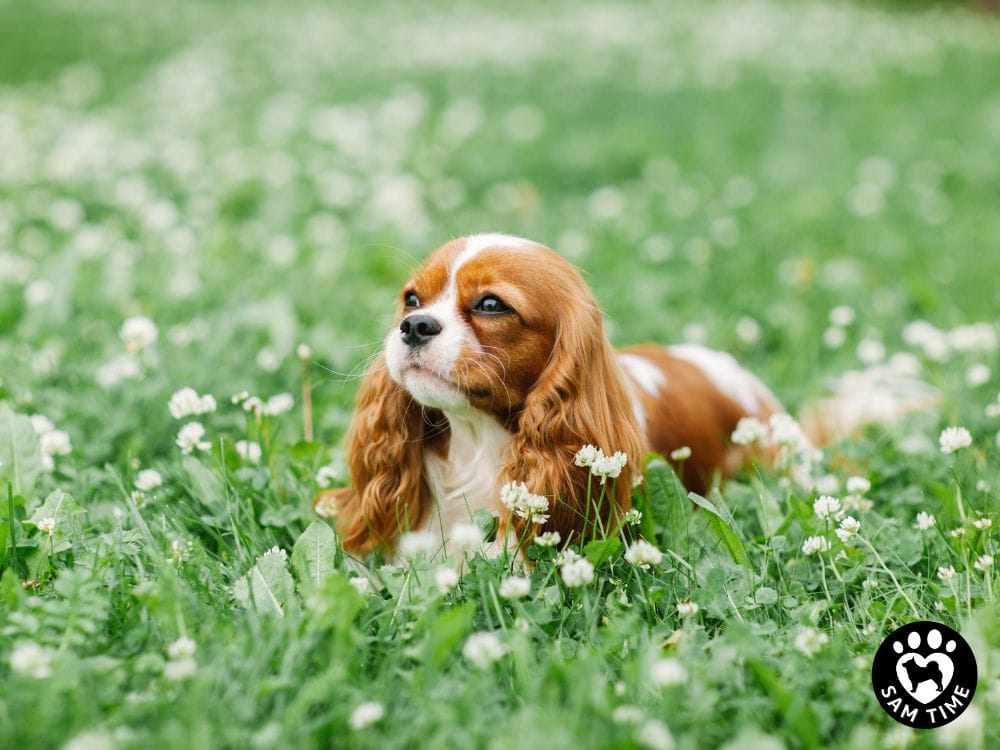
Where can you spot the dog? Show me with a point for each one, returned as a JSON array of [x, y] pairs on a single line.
[[497, 371], [917, 674]]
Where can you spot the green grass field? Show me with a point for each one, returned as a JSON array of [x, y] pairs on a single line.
[[191, 191]]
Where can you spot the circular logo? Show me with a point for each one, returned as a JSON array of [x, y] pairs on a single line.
[[924, 675]]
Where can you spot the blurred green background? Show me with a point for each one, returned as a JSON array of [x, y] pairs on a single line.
[[256, 175]]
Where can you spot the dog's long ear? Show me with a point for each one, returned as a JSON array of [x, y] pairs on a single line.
[[580, 399], [385, 457]]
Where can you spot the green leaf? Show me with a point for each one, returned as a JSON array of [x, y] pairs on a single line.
[[600, 550], [20, 454], [444, 632], [723, 527], [268, 587], [669, 507], [765, 595], [313, 556], [206, 486]]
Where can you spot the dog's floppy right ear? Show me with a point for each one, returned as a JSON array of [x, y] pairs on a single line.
[[385, 458]]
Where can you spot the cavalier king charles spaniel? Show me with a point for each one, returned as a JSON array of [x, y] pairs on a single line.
[[498, 369]]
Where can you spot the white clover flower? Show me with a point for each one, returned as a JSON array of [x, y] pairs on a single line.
[[993, 410], [633, 517], [148, 480], [328, 475], [466, 536], [418, 543], [654, 735], [47, 525], [827, 507], [28, 658], [608, 466], [366, 714], [827, 484], [687, 609], [984, 562], [176, 670], [326, 506], [280, 404], [123, 367], [186, 403], [548, 539], [849, 527], [815, 544], [957, 533], [750, 430], [515, 587], [858, 503], [445, 579], [667, 672], [924, 521], [871, 351], [842, 316], [587, 455], [362, 585], [55, 443], [954, 438], [810, 641], [41, 424], [643, 554], [180, 551], [785, 431], [238, 398], [982, 523], [946, 572], [577, 572], [834, 338], [276, 551], [483, 649], [858, 485], [516, 497], [748, 331], [304, 352], [182, 648], [138, 333], [190, 438], [248, 450], [681, 454], [977, 375], [627, 714]]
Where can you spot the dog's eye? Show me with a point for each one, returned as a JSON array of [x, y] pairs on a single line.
[[491, 305], [410, 299]]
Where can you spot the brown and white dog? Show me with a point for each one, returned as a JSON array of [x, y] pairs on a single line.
[[498, 369]]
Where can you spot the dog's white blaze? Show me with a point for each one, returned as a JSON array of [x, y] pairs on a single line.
[[640, 372], [466, 480], [649, 377], [441, 354], [727, 375]]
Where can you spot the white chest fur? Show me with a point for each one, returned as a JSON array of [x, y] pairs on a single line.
[[467, 479]]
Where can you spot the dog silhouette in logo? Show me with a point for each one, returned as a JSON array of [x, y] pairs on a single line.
[[917, 674]]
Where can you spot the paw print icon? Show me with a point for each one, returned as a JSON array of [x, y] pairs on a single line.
[[924, 675]]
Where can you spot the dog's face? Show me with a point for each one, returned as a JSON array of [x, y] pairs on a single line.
[[477, 324]]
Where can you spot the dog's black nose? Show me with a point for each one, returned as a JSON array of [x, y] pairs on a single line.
[[419, 329]]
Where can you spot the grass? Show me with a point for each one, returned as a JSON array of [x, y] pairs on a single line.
[[258, 175]]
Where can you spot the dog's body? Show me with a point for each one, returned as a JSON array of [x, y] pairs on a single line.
[[498, 370]]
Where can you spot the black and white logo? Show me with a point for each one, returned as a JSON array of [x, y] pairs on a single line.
[[924, 675]]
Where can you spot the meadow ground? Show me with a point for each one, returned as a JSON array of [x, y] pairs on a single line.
[[190, 191]]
